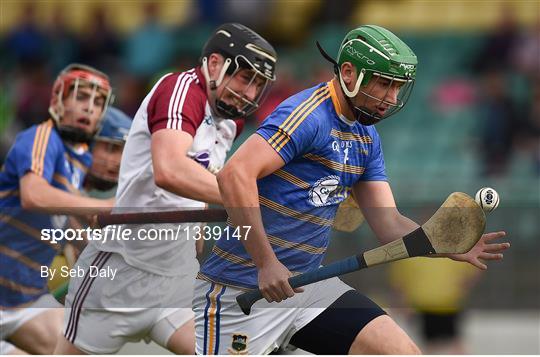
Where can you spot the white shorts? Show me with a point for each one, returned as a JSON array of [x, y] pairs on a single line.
[[104, 314], [12, 319], [222, 328]]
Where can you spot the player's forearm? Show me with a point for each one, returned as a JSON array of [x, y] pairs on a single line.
[[380, 211], [39, 195], [241, 199], [188, 179], [403, 226], [393, 226]]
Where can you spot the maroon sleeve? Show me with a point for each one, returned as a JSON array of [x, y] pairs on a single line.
[[177, 103], [239, 127]]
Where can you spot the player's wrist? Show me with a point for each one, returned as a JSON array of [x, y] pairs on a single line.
[[268, 261]]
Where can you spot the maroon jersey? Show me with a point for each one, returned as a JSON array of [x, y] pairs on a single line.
[[177, 101]]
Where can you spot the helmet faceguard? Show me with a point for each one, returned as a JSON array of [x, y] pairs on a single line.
[[247, 106], [381, 59], [241, 48], [69, 82], [368, 117]]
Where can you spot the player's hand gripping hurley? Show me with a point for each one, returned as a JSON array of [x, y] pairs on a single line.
[[454, 229]]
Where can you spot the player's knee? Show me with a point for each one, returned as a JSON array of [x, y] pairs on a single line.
[[383, 336], [49, 335], [399, 346], [39, 335], [45, 342], [182, 341], [416, 350], [408, 347]]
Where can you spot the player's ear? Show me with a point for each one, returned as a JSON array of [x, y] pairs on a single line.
[[215, 63], [348, 73]]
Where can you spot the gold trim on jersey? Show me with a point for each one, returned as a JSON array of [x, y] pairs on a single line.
[[7, 193], [20, 257], [366, 139], [292, 213], [65, 182], [291, 116], [28, 290], [335, 100], [39, 148], [25, 228], [295, 245], [287, 176], [232, 257], [299, 114], [357, 170]]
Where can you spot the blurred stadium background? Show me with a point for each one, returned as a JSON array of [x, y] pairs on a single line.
[[473, 119]]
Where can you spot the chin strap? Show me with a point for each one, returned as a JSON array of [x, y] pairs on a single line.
[[213, 84], [215, 103], [230, 110], [74, 135], [352, 94], [97, 183]]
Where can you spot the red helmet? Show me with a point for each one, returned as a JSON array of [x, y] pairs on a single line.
[[70, 79]]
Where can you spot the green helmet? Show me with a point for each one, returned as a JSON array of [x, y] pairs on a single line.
[[376, 53]]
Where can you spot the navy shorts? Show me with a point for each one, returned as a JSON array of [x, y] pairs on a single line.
[[333, 331]]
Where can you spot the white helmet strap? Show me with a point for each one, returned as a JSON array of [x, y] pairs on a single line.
[[356, 87], [213, 84], [57, 110]]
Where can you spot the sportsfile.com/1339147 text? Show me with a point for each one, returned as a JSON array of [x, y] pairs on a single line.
[[118, 232]]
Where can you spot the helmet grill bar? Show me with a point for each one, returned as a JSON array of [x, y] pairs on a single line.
[[393, 107], [249, 105]]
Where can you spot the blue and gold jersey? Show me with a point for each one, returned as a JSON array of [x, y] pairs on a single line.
[[40, 150], [325, 155]]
